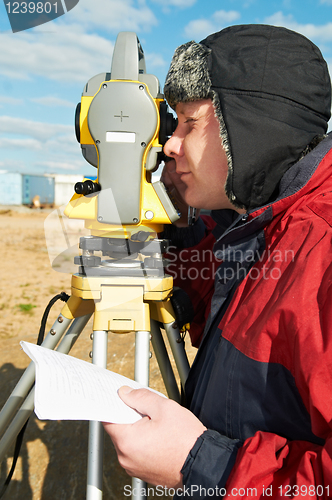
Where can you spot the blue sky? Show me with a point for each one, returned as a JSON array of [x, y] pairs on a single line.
[[43, 70]]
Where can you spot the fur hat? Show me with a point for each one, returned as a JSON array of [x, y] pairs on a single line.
[[272, 95]]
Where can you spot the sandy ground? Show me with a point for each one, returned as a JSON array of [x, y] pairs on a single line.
[[52, 463]]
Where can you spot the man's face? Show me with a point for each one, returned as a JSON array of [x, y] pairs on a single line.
[[200, 160]]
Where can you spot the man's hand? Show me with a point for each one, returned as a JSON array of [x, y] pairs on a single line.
[[155, 448]]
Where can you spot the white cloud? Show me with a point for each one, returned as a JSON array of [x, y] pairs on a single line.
[[52, 101], [53, 166], [36, 130], [13, 165], [328, 2], [200, 28], [9, 143], [65, 145], [10, 100], [224, 17], [73, 48], [153, 60], [322, 33], [113, 15], [67, 54], [183, 4], [329, 64], [49, 141], [53, 146]]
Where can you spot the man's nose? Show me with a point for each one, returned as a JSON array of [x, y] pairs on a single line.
[[173, 147]]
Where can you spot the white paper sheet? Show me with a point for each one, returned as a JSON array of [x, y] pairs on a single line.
[[68, 388]]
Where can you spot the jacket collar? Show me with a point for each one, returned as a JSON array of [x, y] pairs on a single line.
[[304, 177]]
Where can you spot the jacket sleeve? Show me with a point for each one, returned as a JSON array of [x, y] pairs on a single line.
[[208, 465], [265, 466], [193, 266]]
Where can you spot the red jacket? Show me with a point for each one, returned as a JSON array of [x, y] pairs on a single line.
[[262, 378]]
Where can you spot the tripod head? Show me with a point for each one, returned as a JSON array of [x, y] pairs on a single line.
[[122, 122]]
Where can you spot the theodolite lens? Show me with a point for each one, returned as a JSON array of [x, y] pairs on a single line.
[[77, 122]]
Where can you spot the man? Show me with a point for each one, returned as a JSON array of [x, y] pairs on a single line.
[[253, 104]]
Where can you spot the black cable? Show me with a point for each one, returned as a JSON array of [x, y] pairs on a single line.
[[17, 450], [19, 439], [62, 296]]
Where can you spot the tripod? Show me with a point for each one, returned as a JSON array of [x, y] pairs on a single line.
[[124, 295]]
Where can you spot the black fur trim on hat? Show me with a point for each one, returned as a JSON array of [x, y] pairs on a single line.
[[224, 138], [188, 77]]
